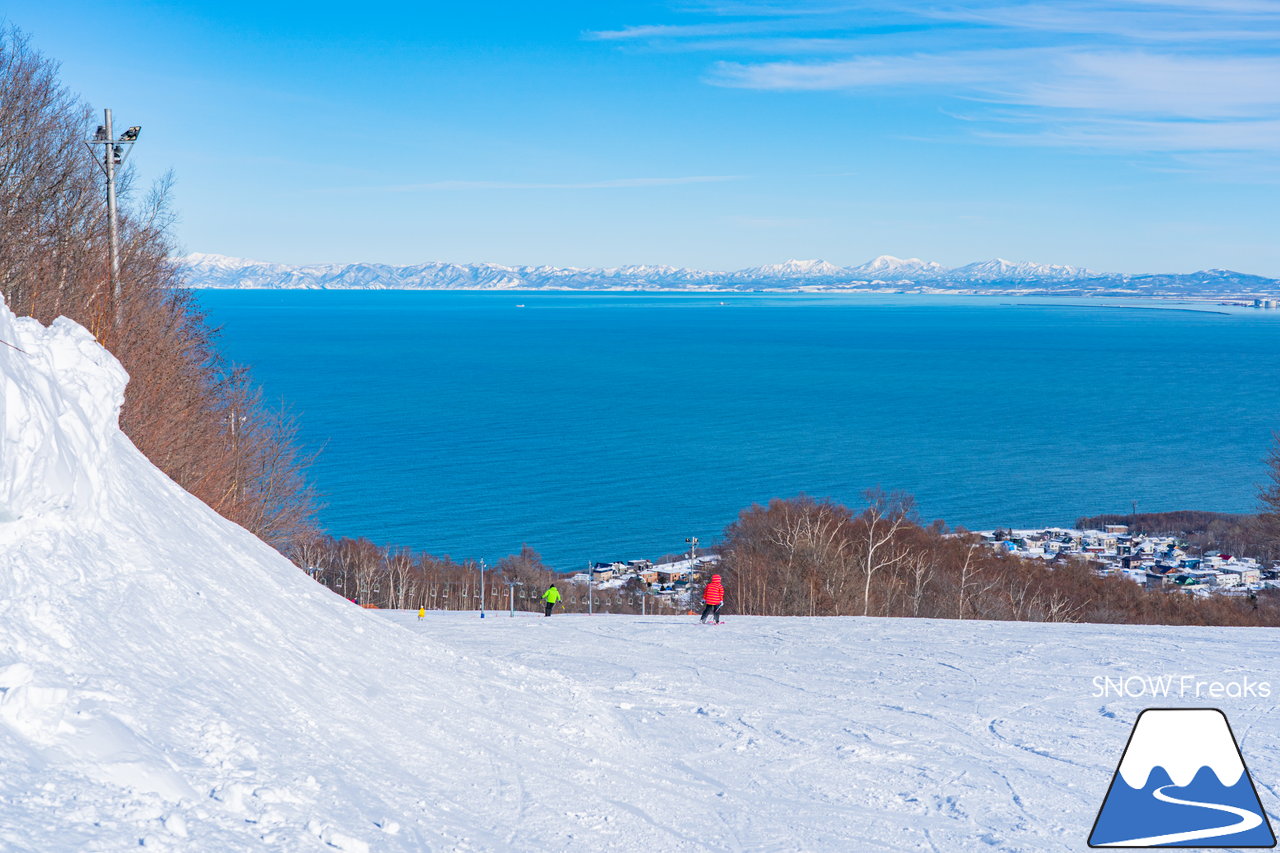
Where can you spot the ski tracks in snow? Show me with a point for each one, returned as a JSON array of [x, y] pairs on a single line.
[[843, 734]]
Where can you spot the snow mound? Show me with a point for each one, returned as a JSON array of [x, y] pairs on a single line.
[[165, 677], [62, 393]]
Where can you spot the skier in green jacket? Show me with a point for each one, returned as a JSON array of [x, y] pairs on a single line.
[[551, 597]]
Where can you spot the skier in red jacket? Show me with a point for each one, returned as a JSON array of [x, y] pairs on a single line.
[[712, 598]]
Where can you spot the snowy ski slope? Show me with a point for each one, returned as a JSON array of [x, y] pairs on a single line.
[[167, 680], [867, 734]]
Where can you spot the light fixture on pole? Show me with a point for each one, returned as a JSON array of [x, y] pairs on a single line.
[[693, 553], [114, 153]]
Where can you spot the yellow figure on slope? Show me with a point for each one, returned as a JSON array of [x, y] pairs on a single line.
[[552, 598]]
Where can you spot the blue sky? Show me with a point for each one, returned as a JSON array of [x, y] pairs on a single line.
[[1122, 135]]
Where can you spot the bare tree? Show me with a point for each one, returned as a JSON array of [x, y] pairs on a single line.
[[1269, 494], [886, 514], [920, 567], [966, 575], [197, 418]]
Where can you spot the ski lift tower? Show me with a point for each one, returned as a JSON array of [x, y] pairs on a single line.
[[511, 583]]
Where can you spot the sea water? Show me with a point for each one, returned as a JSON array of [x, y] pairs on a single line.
[[615, 425]]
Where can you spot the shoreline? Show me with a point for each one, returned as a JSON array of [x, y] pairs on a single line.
[[1125, 308]]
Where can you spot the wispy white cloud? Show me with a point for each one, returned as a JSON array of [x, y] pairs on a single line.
[[1110, 82], [689, 31], [771, 46], [613, 183], [1127, 75], [1148, 84], [1174, 137], [952, 70], [1134, 20], [784, 9]]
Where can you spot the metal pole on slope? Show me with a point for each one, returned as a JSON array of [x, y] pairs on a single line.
[[114, 152], [482, 589], [113, 217], [693, 560], [591, 608]]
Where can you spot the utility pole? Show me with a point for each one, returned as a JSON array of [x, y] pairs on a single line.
[[591, 582], [482, 589], [693, 552], [114, 152]]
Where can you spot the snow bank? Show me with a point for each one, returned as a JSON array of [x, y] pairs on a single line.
[[62, 393], [148, 648], [168, 680]]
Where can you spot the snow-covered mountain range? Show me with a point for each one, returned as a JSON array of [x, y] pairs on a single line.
[[883, 273]]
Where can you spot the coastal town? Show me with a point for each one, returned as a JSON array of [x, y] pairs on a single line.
[[668, 580], [1167, 563], [1156, 562]]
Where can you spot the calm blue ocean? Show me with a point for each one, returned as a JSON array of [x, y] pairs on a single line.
[[614, 425]]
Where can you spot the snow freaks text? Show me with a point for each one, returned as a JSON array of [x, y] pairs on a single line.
[[1180, 687]]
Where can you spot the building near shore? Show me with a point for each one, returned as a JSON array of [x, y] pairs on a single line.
[[1158, 562]]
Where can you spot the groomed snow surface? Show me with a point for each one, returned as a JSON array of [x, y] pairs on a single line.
[[167, 680]]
